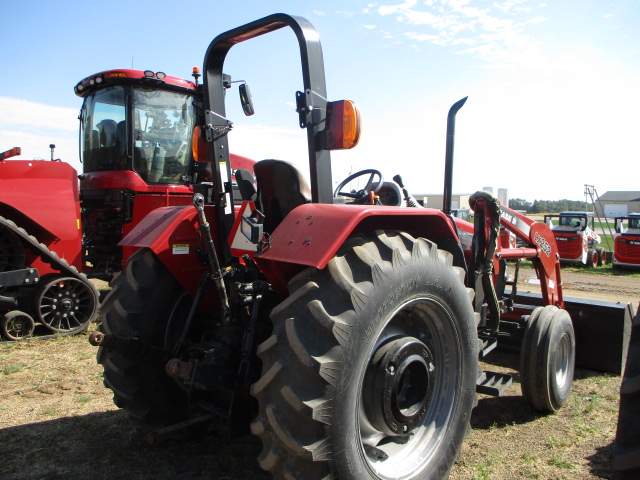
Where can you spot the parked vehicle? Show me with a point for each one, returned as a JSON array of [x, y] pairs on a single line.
[[345, 334], [626, 242], [136, 150], [578, 242]]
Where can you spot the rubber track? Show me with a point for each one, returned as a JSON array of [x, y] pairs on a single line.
[[626, 457], [43, 252]]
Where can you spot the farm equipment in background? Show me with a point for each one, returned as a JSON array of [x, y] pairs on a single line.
[[136, 148], [344, 333], [578, 242], [626, 242], [41, 249], [136, 140]]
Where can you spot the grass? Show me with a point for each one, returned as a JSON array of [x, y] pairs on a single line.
[[71, 410], [15, 368]]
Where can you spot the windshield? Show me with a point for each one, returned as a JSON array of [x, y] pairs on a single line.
[[634, 223], [162, 126], [574, 222]]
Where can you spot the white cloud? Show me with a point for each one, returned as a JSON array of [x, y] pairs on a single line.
[[34, 126], [16, 112], [391, 9], [496, 33]]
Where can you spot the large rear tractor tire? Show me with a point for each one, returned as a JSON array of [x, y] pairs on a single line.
[[371, 369], [139, 305], [547, 358]]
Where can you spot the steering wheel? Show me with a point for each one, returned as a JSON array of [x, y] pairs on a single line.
[[361, 196]]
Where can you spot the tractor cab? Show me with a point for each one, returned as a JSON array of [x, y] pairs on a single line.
[[570, 221], [629, 225], [136, 132], [140, 122]]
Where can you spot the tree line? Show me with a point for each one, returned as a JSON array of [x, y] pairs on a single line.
[[547, 206]]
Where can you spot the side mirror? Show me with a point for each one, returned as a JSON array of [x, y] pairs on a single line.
[[245, 99]]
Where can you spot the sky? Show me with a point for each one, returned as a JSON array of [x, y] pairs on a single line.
[[553, 86]]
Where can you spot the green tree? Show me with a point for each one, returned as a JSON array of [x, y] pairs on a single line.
[[520, 204]]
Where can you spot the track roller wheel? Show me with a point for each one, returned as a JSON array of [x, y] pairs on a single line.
[[547, 358], [16, 325], [65, 304]]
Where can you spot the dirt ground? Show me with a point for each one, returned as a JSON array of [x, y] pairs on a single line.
[[611, 288], [57, 421]]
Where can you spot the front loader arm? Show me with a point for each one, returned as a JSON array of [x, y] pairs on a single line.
[[539, 246]]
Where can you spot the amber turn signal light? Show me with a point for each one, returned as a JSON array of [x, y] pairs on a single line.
[[343, 125]]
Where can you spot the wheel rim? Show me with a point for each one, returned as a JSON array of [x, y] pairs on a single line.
[[17, 325], [418, 338], [65, 304], [563, 354]]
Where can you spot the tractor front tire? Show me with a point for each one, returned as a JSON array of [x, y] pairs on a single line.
[[371, 369], [139, 306], [547, 358]]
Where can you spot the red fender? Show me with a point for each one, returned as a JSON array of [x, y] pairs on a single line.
[[312, 234], [42, 197], [309, 236], [172, 234]]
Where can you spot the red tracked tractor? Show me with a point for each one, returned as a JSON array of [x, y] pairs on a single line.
[[41, 249], [136, 147], [343, 327]]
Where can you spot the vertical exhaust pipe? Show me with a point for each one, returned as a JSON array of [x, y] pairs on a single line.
[[448, 157]]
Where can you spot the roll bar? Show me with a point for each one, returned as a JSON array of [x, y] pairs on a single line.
[[312, 102]]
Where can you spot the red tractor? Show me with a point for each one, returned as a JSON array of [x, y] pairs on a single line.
[[626, 246], [341, 326], [136, 148], [136, 137]]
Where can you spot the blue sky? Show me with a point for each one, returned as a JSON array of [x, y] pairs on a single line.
[[553, 86]]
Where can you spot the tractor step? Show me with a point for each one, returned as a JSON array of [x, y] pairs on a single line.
[[493, 383], [488, 344]]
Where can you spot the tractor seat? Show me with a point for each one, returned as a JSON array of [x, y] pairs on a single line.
[[281, 188]]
